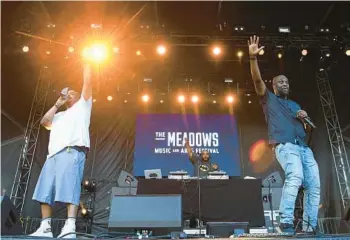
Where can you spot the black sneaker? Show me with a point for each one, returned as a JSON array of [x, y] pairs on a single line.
[[287, 228]]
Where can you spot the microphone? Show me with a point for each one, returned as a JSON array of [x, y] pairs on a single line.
[[309, 122], [64, 93]]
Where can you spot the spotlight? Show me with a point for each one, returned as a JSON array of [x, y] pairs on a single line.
[[25, 49], [262, 52], [249, 102], [230, 99], [161, 101], [161, 50], [239, 54], [89, 186], [94, 100], [138, 53], [96, 53], [145, 98], [279, 55], [48, 52], [71, 49], [181, 99], [125, 101], [328, 54], [194, 99], [85, 212], [109, 98], [304, 52], [116, 50], [347, 52], [214, 101], [216, 51], [284, 29]]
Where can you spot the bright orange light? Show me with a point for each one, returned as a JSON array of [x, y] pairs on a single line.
[[216, 51], [116, 50], [161, 101], [96, 53], [145, 98], [109, 98], [48, 52], [138, 53], [71, 49], [230, 99], [161, 50], [94, 100], [25, 49], [239, 54], [214, 101], [194, 99], [181, 99]]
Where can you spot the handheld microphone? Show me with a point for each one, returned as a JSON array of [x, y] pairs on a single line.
[[64, 93], [308, 121]]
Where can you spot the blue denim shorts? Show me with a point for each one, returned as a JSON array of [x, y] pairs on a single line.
[[60, 178]]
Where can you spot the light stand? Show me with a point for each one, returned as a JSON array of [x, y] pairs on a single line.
[[271, 206]]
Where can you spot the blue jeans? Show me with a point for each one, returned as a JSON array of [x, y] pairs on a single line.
[[300, 168]]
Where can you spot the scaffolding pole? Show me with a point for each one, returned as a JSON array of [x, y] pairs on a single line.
[[340, 158], [26, 158]]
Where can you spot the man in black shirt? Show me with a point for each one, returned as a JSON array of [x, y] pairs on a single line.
[[202, 163]]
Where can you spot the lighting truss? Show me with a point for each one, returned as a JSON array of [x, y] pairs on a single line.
[[26, 158], [336, 141]]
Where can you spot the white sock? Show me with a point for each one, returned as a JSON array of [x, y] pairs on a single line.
[[71, 221]]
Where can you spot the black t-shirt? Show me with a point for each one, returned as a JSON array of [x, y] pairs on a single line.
[[201, 168]]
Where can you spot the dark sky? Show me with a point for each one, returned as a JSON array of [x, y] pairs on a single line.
[[19, 71]]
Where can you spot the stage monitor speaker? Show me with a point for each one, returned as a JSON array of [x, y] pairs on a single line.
[[10, 221], [276, 194], [146, 211], [226, 229], [127, 180]]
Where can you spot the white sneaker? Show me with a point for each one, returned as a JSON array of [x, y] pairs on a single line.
[[68, 228], [44, 230]]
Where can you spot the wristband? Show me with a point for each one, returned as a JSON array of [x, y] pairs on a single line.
[[57, 106], [252, 58]]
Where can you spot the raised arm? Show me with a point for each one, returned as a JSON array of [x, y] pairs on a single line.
[[189, 150], [254, 50], [87, 86], [46, 121]]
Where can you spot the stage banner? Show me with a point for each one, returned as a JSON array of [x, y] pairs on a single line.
[[159, 142]]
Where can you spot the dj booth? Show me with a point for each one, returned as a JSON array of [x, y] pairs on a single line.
[[229, 200]]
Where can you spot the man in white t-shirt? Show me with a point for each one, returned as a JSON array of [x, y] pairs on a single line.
[[61, 176]]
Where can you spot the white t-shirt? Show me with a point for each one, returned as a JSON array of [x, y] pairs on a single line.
[[71, 127]]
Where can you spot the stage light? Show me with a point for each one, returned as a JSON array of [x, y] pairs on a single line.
[[304, 52], [230, 99], [161, 50], [181, 99], [239, 54], [216, 51], [194, 99], [48, 52], [161, 101], [138, 53], [279, 55], [94, 100], [249, 102], [71, 49], [115, 49], [109, 98], [262, 52], [328, 54], [347, 52], [86, 212], [96, 53], [145, 98], [125, 101], [284, 29], [25, 49], [214, 101], [89, 186]]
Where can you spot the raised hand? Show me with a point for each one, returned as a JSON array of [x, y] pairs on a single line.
[[253, 45]]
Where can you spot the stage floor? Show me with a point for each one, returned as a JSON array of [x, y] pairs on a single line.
[[299, 237]]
